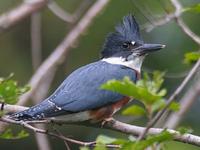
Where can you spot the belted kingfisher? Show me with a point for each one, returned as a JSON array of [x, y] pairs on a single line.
[[79, 97]]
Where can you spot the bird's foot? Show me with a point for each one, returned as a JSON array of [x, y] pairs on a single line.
[[105, 121]]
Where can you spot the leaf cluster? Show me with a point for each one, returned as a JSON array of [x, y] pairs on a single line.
[[10, 91], [148, 91]]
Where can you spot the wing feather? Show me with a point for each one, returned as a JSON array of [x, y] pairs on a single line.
[[81, 90]]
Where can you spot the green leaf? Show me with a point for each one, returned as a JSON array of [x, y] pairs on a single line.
[[147, 90], [119, 141], [174, 106], [84, 148], [10, 91], [102, 139], [132, 138], [134, 110], [195, 8], [163, 136], [184, 130], [137, 91], [191, 57], [143, 144], [158, 105], [8, 134], [100, 147]]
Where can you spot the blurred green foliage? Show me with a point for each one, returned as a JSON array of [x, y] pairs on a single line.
[[8, 134], [10, 91], [132, 143], [191, 57], [195, 8]]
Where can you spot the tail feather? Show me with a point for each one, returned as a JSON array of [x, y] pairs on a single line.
[[40, 111]]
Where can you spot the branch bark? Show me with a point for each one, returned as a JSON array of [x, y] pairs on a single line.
[[21, 12], [111, 124]]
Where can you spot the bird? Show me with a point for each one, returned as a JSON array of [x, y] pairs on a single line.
[[79, 97]]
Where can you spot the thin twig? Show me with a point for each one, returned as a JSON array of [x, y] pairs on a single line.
[[187, 31], [60, 13], [185, 103], [46, 132], [81, 9], [59, 133], [65, 16], [16, 15]]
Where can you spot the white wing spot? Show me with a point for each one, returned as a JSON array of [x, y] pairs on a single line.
[[54, 105]]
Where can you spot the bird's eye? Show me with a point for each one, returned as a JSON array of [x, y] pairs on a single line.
[[125, 45]]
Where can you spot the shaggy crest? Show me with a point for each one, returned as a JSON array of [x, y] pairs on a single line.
[[129, 29]]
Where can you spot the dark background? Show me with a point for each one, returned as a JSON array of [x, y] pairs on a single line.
[[15, 56]]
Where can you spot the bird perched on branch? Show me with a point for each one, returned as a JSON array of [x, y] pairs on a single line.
[[79, 97]]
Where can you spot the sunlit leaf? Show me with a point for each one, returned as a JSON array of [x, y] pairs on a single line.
[[191, 57], [158, 105], [195, 8], [84, 148], [184, 130], [10, 91], [102, 139], [174, 106], [137, 91], [8, 134], [119, 141], [132, 138], [149, 141], [134, 110], [100, 147]]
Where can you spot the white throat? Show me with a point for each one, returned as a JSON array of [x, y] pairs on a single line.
[[135, 62]]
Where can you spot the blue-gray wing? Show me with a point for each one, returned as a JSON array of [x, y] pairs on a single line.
[[81, 89]]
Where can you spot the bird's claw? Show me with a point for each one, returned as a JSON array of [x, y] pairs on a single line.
[[105, 121]]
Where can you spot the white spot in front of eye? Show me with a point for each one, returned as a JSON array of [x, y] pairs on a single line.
[[133, 42]]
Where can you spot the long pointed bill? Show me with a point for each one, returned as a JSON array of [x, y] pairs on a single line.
[[147, 48]]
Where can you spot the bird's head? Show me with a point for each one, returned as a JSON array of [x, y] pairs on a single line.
[[126, 41]]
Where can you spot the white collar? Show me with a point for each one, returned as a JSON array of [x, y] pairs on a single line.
[[134, 63]]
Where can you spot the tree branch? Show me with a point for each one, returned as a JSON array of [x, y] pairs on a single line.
[[59, 54], [46, 132], [177, 16], [185, 103], [187, 31], [136, 130], [59, 12], [111, 124], [24, 10]]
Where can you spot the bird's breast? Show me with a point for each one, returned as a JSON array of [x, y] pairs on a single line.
[[108, 110]]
